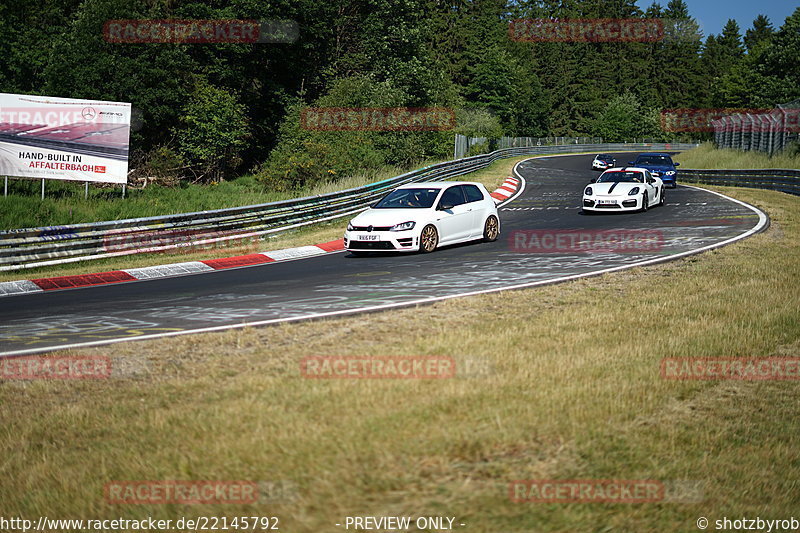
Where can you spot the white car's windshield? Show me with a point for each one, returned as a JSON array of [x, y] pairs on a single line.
[[618, 175], [408, 198]]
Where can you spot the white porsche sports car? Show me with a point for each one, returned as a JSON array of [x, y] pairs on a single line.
[[623, 189], [424, 216]]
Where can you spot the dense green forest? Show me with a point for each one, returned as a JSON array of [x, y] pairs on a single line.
[[211, 111]]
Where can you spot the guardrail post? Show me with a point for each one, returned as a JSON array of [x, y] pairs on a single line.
[[5, 187], [42, 188], [86, 192]]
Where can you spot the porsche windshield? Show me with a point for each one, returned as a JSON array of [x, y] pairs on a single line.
[[408, 198], [618, 175]]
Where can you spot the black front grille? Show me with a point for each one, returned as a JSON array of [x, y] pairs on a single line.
[[629, 203], [607, 206], [588, 203], [371, 245], [374, 228]]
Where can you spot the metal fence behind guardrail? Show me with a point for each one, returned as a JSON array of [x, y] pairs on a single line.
[[769, 131], [34, 247], [783, 180], [463, 144]]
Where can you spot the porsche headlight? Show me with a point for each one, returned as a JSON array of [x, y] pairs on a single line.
[[403, 226], [350, 226], [588, 191], [633, 191]]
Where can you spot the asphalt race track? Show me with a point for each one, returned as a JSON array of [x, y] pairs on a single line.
[[338, 283]]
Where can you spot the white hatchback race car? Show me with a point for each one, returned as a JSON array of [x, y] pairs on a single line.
[[623, 189], [424, 216]]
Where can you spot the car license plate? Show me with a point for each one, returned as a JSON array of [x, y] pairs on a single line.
[[606, 202], [368, 237]]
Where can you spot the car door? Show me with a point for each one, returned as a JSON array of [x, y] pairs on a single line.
[[650, 187], [478, 207], [453, 215]]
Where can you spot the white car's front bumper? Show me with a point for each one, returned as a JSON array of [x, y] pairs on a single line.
[[615, 203], [382, 241]]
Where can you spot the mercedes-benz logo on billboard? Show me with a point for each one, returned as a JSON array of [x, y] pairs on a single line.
[[88, 113]]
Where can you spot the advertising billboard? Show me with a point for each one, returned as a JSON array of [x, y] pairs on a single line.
[[64, 138]]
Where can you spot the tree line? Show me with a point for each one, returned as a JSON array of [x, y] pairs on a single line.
[[217, 110]]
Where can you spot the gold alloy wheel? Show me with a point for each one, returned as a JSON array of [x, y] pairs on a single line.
[[428, 239], [491, 229]]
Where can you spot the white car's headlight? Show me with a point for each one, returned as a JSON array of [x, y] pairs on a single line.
[[633, 191], [403, 226], [350, 226], [588, 191]]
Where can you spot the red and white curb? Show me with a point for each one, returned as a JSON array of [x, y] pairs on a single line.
[[506, 190], [10, 288]]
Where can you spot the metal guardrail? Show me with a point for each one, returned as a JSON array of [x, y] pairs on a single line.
[[783, 180], [35, 247]]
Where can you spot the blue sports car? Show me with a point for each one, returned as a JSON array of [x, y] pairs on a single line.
[[660, 166]]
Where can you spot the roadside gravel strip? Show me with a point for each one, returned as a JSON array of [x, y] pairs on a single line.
[[546, 202], [10, 288]]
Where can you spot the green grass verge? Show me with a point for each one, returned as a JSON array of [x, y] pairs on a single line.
[[64, 202], [706, 156], [571, 391]]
